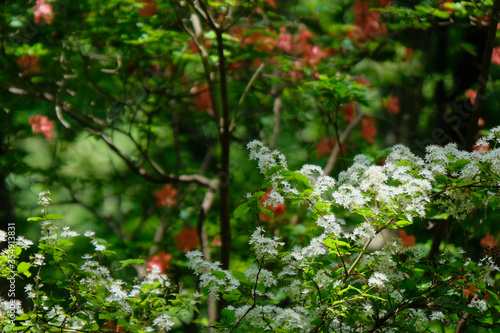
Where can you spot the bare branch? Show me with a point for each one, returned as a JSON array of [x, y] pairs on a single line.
[[244, 95], [336, 150], [277, 111]]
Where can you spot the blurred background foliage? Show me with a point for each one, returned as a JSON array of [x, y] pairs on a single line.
[[126, 109]]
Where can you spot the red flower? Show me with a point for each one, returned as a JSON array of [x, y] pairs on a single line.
[[349, 112], [488, 241], [481, 148], [495, 56], [278, 210], [161, 260], [406, 241], [471, 291], [29, 64], [366, 21], [260, 42], [187, 239], [446, 8], [203, 99], [43, 12], [368, 129], [42, 125], [325, 147], [392, 105], [166, 196], [480, 122], [271, 3], [217, 241], [363, 81], [149, 8], [472, 94], [408, 54]]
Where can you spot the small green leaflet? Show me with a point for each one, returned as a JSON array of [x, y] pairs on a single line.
[[48, 217], [131, 261], [241, 211]]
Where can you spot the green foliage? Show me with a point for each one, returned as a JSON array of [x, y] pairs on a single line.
[[136, 114]]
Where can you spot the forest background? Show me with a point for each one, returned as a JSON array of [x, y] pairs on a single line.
[[136, 114]]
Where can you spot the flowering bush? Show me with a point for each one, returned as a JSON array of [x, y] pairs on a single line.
[[86, 297], [335, 283]]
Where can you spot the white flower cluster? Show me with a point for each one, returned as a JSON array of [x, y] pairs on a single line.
[[274, 318], [163, 321], [378, 279], [67, 233], [478, 304], [212, 276], [99, 276], [44, 200], [263, 247], [331, 224], [266, 157], [263, 276]]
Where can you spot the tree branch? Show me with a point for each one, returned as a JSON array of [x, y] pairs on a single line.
[[336, 150]]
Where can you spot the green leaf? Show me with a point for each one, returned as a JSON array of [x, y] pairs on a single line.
[[241, 211], [267, 212], [220, 275], [53, 217], [131, 261], [35, 219], [240, 276], [23, 267], [403, 223], [227, 316], [234, 295], [442, 216], [65, 242], [112, 315]]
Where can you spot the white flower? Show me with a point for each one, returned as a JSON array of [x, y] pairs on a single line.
[[23, 242], [117, 294], [322, 279], [163, 322], [274, 198], [200, 265], [100, 247], [331, 224], [3, 236], [349, 197], [264, 247], [311, 172], [89, 233], [316, 247], [38, 260], [478, 304], [43, 198], [266, 157], [29, 290], [377, 279], [437, 315], [368, 309], [67, 233], [217, 283], [363, 232], [264, 276]]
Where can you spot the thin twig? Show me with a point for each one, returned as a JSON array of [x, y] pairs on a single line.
[[244, 95], [276, 129], [336, 150]]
